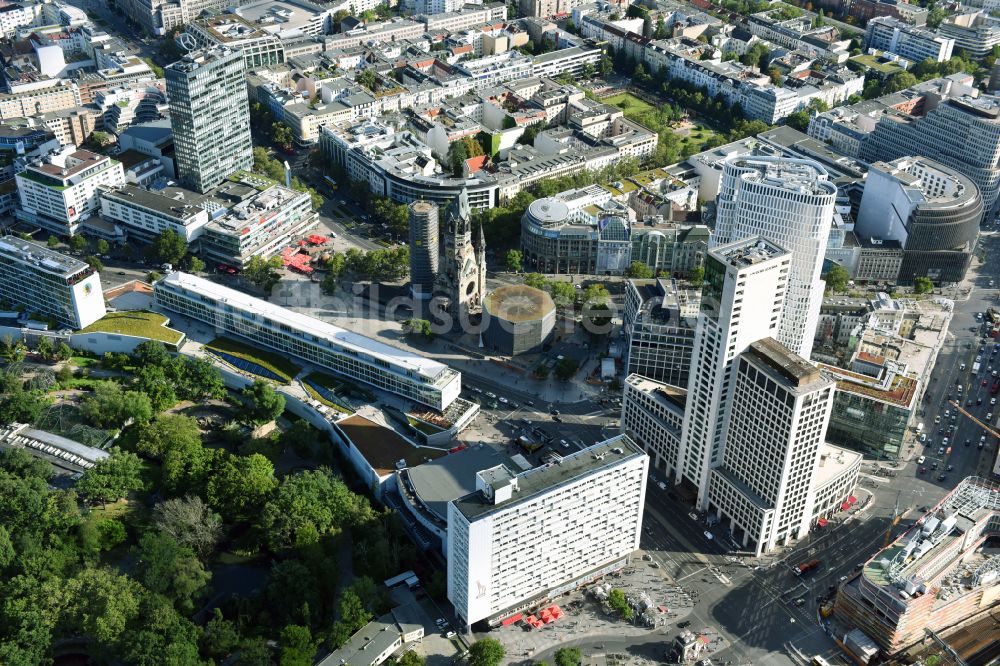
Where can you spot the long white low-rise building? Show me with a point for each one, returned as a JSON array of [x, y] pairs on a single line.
[[404, 373], [520, 540]]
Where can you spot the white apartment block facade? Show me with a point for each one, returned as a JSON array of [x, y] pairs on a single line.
[[775, 426], [742, 302], [231, 312], [60, 191], [887, 33], [521, 540], [791, 203], [653, 416], [466, 17], [566, 61], [49, 284], [18, 15]]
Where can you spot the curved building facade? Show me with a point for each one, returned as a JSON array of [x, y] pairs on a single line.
[[931, 209], [555, 240], [789, 202], [962, 133], [586, 232]]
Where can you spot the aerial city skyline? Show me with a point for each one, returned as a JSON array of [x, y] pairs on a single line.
[[542, 332]]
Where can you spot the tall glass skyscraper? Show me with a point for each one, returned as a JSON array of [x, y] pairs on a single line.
[[210, 116]]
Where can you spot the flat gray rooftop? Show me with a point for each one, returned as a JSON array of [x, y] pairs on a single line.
[[786, 363], [174, 202], [41, 257], [602, 455], [440, 481]]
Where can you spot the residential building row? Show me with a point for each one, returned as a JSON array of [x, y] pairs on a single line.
[[698, 64], [405, 163], [306, 99], [907, 41]]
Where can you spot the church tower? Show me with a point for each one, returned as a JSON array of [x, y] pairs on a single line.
[[462, 277]]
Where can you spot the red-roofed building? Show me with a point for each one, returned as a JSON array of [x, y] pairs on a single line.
[[474, 164]]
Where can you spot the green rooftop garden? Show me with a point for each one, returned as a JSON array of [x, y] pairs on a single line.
[[872, 62], [139, 324], [270, 361]]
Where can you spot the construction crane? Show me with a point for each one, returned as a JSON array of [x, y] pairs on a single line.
[[979, 423]]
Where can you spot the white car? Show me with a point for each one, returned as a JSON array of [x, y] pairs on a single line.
[[708, 535], [921, 460], [503, 400], [661, 485]]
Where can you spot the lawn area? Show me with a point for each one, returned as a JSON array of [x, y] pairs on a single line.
[[270, 361], [695, 141], [873, 62], [140, 324], [83, 361], [630, 104]]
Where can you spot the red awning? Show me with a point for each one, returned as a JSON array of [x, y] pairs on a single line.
[[512, 619], [845, 506], [663, 609], [821, 522], [852, 499]]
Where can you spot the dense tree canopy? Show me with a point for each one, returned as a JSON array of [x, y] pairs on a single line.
[[311, 505], [261, 403], [110, 406]]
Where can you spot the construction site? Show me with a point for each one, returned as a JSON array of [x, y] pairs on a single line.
[[934, 581]]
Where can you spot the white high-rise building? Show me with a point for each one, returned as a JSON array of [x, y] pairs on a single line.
[[742, 302], [48, 284], [521, 540], [789, 202], [209, 116], [775, 429]]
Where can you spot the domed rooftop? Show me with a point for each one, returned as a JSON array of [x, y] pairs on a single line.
[[548, 211]]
